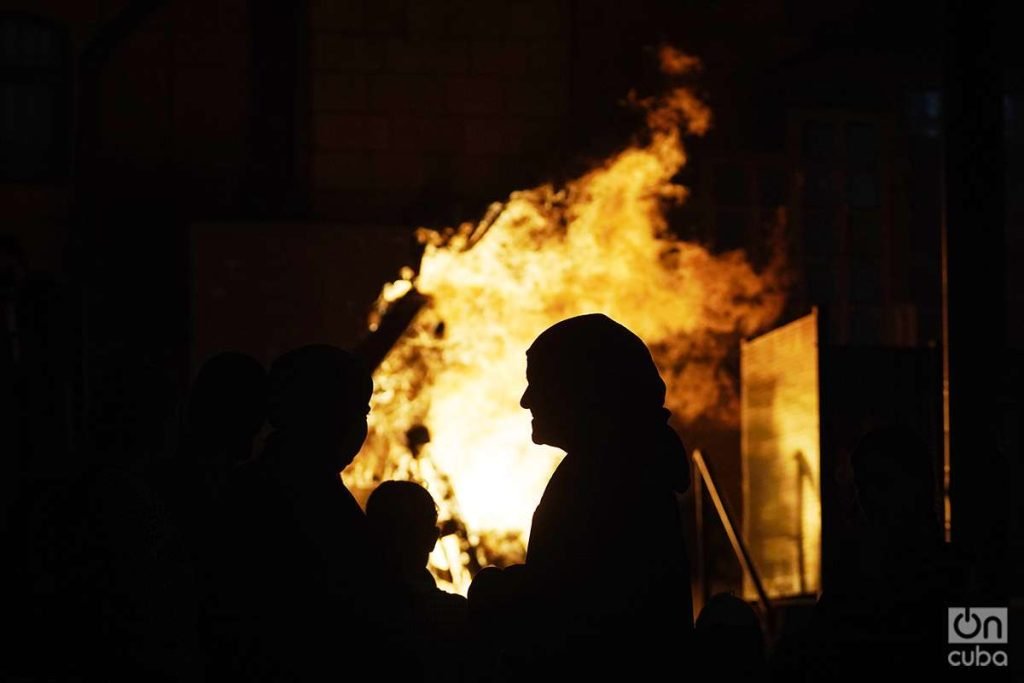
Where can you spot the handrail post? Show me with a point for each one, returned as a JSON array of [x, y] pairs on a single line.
[[738, 545], [702, 578]]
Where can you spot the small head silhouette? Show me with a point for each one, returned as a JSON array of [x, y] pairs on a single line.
[[228, 402], [403, 520], [728, 639], [320, 395], [587, 369], [895, 481]]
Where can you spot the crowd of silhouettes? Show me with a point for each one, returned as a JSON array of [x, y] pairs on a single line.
[[241, 558]]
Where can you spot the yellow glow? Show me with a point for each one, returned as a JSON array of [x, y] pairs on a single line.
[[781, 458], [600, 243]]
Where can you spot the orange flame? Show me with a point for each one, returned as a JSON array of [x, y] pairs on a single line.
[[446, 407], [676, 63]]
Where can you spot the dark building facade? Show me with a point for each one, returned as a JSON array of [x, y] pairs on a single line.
[[129, 126]]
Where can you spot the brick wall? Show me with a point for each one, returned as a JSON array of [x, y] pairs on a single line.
[[420, 111], [175, 108]]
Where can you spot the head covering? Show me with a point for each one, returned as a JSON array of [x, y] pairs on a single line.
[[316, 385], [603, 367], [600, 362]]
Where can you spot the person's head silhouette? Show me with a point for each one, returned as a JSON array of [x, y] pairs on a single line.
[[728, 639], [591, 381], [584, 369], [226, 406], [895, 482], [403, 521], [319, 395]]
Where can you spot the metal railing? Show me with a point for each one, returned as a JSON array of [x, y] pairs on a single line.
[[705, 482]]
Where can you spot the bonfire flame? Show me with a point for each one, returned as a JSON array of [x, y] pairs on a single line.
[[446, 411]]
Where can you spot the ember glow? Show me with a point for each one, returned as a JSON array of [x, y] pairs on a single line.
[[446, 406]]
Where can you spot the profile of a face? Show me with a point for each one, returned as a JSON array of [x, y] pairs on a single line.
[[587, 377], [352, 439], [555, 420], [878, 496], [894, 483]]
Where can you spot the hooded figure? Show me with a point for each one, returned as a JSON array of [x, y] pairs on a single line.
[[887, 605], [316, 558], [607, 575]]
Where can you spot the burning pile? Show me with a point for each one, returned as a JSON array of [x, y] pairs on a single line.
[[446, 407]]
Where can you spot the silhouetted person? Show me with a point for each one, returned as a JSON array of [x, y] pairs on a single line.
[[317, 556], [606, 580], [116, 589], [728, 643], [499, 616], [226, 407], [886, 610], [426, 625]]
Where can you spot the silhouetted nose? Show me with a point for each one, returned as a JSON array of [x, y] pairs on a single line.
[[524, 402]]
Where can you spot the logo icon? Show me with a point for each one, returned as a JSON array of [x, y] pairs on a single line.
[[976, 625]]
